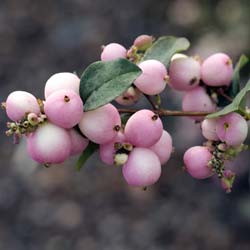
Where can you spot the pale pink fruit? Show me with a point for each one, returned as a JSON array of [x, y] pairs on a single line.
[[208, 128], [101, 125], [107, 150], [49, 144], [232, 129], [217, 70], [197, 100], [64, 80], [163, 148], [196, 162], [152, 79], [143, 129], [143, 42], [64, 108], [78, 142], [113, 51], [184, 73], [142, 169], [19, 104]]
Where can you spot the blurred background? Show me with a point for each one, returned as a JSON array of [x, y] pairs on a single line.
[[62, 209]]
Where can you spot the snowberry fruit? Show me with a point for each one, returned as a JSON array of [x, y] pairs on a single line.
[[101, 125], [177, 56], [232, 129], [19, 104], [129, 97], [143, 168], [64, 80], [78, 142], [152, 79], [208, 128], [143, 42], [49, 144], [196, 161], [217, 70], [64, 108], [197, 100], [143, 129], [184, 73], [163, 148], [107, 151], [113, 51]]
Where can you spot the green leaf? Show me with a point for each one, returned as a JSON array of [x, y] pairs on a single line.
[[91, 148], [102, 82], [165, 47], [236, 105], [235, 86]]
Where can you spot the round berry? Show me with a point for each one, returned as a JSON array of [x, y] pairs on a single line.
[[64, 108], [129, 97], [49, 144], [78, 142], [208, 128], [152, 79], [113, 51], [184, 73], [101, 125], [217, 70], [143, 168], [64, 80], [19, 104], [196, 161], [232, 129], [197, 100], [143, 42], [143, 129], [163, 148]]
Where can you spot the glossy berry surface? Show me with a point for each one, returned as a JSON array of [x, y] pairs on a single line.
[[196, 162], [151, 81], [64, 108], [49, 144], [143, 129], [217, 70], [113, 51], [20, 103], [101, 125], [64, 80], [142, 169]]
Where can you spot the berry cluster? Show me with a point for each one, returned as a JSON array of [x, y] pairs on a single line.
[[60, 126]]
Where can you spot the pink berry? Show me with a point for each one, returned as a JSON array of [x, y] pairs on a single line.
[[143, 42], [19, 104], [107, 151], [49, 144], [208, 128], [184, 73], [197, 100], [129, 97], [113, 51], [142, 169], [143, 129], [152, 79], [217, 70], [78, 142], [163, 148], [64, 108], [101, 125], [232, 129], [60, 81], [196, 162]]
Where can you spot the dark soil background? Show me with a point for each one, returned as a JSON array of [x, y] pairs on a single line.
[[62, 209]]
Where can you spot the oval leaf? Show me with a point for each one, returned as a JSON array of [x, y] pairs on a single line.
[[165, 47], [102, 82]]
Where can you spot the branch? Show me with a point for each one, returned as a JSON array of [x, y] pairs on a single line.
[[165, 112]]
